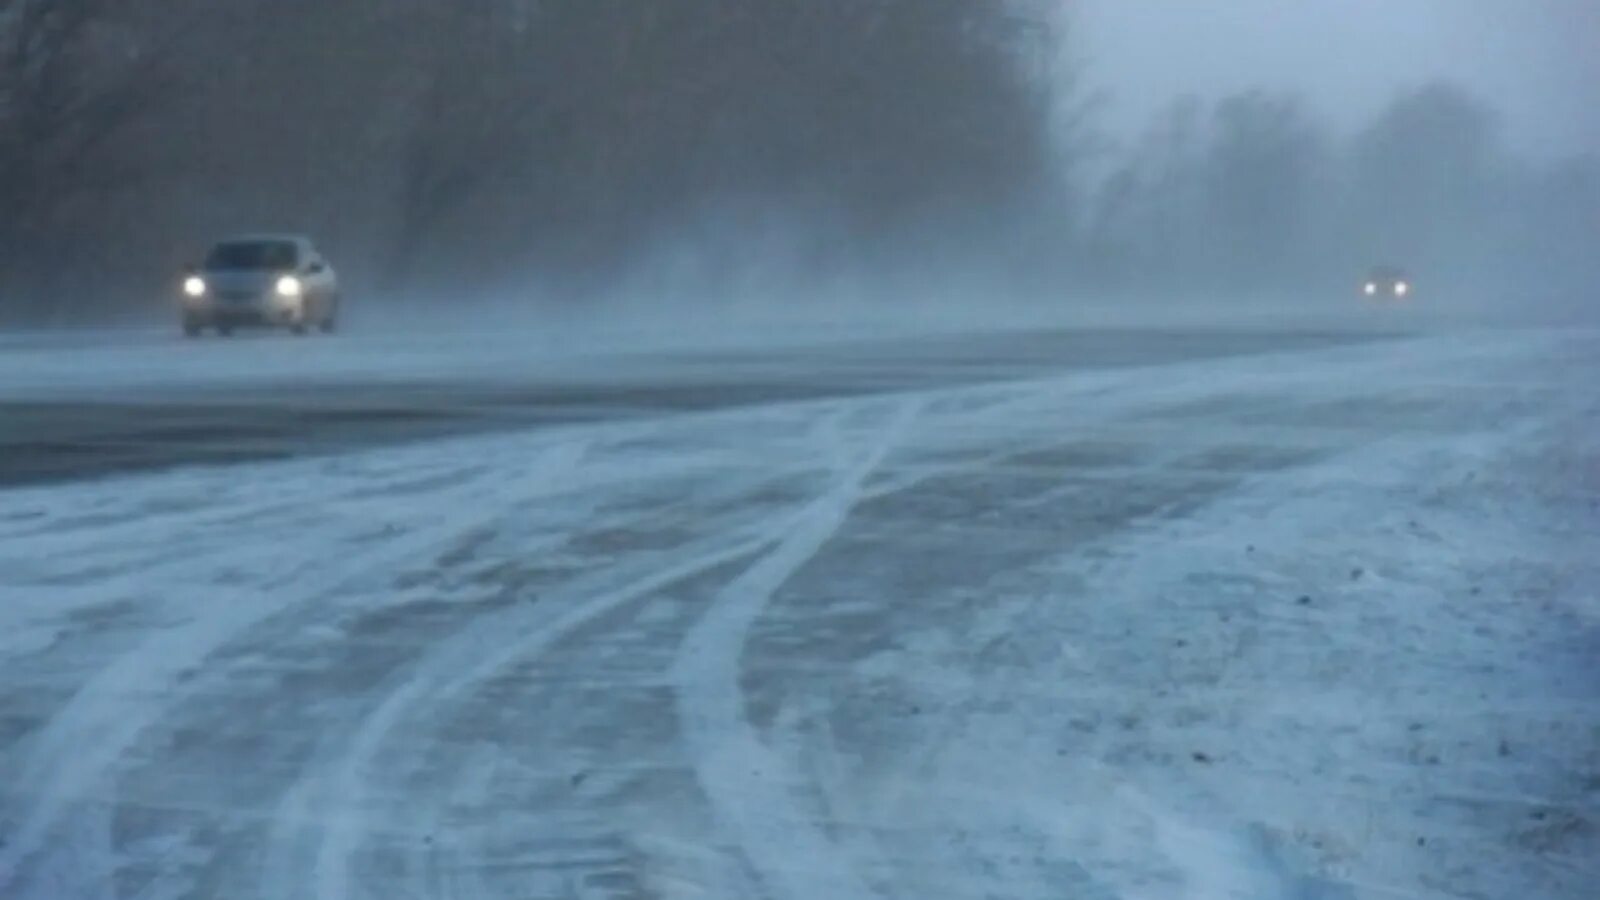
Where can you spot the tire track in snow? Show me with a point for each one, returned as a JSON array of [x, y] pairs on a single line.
[[86, 721], [81, 744], [340, 790], [323, 819], [749, 785]]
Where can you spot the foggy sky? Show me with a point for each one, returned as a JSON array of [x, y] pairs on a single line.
[[1538, 61]]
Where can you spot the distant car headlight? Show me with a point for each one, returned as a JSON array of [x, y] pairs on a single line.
[[1401, 289], [290, 286], [1371, 289], [194, 286]]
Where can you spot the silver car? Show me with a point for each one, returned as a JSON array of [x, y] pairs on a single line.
[[261, 280]]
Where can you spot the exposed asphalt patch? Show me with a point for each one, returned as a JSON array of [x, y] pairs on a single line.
[[45, 441]]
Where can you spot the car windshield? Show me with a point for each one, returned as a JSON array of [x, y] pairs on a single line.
[[252, 256]]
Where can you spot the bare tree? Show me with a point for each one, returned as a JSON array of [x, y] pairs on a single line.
[[612, 120], [468, 125], [517, 139], [1260, 175], [1424, 178], [75, 76]]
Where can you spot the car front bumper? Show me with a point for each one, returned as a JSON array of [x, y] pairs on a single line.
[[253, 310]]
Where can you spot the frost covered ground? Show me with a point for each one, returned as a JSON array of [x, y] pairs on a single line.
[[1304, 625]]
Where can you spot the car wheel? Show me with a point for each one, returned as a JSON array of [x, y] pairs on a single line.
[[328, 325], [225, 330], [191, 328], [298, 328]]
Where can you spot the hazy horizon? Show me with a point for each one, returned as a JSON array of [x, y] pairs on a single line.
[[726, 151], [1534, 61]]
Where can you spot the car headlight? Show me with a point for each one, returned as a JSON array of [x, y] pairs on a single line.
[[1371, 289], [289, 286], [194, 286], [1401, 289]]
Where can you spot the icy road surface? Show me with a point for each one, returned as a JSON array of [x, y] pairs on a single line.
[[75, 405], [1313, 624]]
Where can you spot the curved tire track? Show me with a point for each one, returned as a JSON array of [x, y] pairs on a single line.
[[321, 824], [83, 741], [749, 785]]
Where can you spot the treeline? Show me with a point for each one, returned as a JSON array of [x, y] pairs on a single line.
[[1250, 194], [432, 144], [559, 150]]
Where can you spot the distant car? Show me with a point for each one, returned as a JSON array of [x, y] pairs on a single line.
[[1388, 282], [276, 281]]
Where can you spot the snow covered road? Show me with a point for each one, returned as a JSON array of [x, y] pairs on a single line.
[[1322, 623], [80, 405]]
